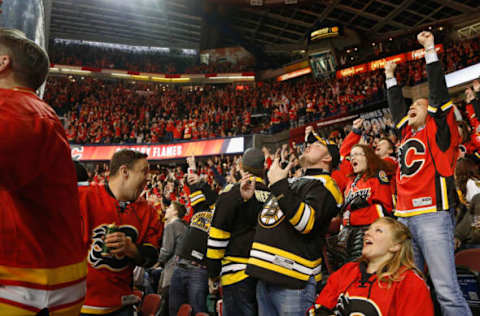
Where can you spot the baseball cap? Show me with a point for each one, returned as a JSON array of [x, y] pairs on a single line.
[[331, 147], [253, 161]]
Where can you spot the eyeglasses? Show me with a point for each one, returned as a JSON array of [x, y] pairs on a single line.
[[357, 154]]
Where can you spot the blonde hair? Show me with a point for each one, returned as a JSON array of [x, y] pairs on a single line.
[[402, 260]]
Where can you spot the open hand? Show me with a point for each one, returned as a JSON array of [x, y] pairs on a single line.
[[277, 173]]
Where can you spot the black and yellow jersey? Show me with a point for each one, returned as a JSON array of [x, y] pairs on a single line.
[[194, 243], [232, 231], [287, 248]]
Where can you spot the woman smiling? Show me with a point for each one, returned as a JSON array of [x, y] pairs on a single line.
[[384, 281]]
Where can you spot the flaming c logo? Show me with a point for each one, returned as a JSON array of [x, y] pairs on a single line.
[[99, 260], [77, 152]]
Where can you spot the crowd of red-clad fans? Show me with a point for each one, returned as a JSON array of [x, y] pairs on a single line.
[[102, 111]]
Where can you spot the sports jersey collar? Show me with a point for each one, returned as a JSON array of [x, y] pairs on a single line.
[[23, 89], [122, 204], [414, 131], [315, 172]]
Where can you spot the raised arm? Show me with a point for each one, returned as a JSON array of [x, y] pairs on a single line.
[[396, 102]]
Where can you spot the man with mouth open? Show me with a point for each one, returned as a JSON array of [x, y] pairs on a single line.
[[425, 183]]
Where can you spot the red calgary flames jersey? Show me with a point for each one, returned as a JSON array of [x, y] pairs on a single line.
[[42, 257], [349, 291], [427, 156], [427, 162], [367, 199], [109, 278]]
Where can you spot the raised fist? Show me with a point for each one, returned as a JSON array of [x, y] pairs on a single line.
[[476, 85], [358, 123], [390, 68], [469, 95], [426, 39]]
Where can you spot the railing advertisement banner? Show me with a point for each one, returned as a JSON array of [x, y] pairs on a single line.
[[162, 151]]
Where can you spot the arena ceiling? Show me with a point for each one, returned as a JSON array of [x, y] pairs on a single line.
[[178, 23]]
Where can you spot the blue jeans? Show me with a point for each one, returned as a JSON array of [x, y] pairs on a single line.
[[433, 244], [239, 299], [276, 300], [189, 285]]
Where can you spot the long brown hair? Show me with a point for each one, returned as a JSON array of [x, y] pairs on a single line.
[[402, 260], [465, 169], [374, 163]]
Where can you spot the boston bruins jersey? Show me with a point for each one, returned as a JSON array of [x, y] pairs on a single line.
[[291, 229], [232, 231], [194, 244]]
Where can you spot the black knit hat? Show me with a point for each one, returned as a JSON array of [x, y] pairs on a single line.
[[331, 147], [82, 174], [253, 161]]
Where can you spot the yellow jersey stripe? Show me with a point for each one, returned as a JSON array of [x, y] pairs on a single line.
[[447, 105], [232, 278], [11, 310], [311, 221], [218, 233], [194, 194], [443, 187], [298, 215], [215, 253], [286, 254], [229, 259], [402, 121], [95, 311], [413, 213], [272, 267], [70, 273], [197, 201]]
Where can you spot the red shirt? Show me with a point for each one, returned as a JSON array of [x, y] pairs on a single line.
[[109, 279], [376, 196], [40, 222], [344, 290]]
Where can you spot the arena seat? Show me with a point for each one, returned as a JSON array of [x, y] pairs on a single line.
[[185, 310], [151, 305]]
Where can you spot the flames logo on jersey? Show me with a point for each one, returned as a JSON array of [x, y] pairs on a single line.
[[113, 263], [412, 157], [359, 195], [271, 214], [356, 306]]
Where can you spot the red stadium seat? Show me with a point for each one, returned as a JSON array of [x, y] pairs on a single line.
[[138, 294], [469, 258], [151, 305], [185, 310], [468, 273]]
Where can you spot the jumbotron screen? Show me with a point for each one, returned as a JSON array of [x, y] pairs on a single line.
[[322, 63]]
